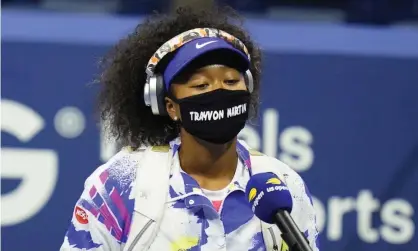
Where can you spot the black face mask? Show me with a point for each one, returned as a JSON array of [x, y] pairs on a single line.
[[217, 116]]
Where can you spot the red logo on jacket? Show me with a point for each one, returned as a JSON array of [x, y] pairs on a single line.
[[81, 215]]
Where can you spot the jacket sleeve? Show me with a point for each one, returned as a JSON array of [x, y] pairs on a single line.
[[88, 230], [308, 218], [102, 215]]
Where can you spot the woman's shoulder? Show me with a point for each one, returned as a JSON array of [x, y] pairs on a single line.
[[267, 163], [107, 194], [115, 179], [119, 167], [290, 177], [261, 162]]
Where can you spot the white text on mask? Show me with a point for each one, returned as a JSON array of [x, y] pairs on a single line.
[[217, 115]]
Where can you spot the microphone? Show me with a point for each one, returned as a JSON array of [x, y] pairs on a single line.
[[271, 202]]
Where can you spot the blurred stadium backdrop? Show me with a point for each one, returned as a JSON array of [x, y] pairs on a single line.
[[339, 105]]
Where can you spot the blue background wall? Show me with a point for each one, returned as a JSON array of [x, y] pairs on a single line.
[[339, 104]]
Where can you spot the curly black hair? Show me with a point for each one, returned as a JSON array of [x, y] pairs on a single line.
[[120, 100]]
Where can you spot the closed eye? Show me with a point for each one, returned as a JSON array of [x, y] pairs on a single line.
[[231, 81], [200, 86]]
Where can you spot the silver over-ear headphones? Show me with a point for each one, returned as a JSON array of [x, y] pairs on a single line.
[[154, 89]]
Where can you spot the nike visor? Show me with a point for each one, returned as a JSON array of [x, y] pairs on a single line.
[[196, 49]]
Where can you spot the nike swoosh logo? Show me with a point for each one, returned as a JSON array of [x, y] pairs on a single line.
[[199, 46]]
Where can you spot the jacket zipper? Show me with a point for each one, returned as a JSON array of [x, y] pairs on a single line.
[[147, 225], [275, 246]]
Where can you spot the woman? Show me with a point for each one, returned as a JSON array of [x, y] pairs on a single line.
[[178, 90]]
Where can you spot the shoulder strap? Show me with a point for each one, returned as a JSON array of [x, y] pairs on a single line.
[[150, 192]]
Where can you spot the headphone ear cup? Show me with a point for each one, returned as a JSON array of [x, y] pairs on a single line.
[[249, 81], [154, 94], [160, 95], [147, 96]]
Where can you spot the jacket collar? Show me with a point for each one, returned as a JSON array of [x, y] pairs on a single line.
[[183, 185]]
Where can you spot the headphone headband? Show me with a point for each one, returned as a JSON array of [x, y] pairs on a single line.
[[187, 36], [154, 89]]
